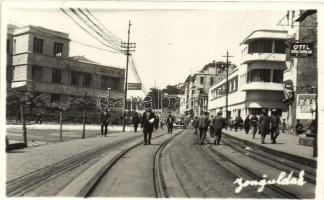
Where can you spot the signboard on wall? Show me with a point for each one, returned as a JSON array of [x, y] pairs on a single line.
[[306, 104], [301, 50], [134, 86]]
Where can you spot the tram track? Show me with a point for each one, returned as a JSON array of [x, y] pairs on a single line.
[[158, 180], [240, 170], [28, 182], [273, 161]]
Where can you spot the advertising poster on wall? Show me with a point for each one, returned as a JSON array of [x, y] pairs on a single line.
[[306, 104]]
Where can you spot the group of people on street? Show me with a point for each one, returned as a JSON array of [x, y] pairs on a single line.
[[265, 124], [215, 125]]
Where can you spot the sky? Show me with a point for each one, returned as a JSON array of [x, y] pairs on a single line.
[[170, 44]]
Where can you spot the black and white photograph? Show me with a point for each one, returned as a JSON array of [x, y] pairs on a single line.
[[153, 99]]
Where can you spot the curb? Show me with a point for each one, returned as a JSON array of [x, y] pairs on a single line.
[[82, 185], [295, 158]]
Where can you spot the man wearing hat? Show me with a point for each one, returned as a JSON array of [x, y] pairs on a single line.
[[147, 124], [219, 124], [275, 122], [264, 124]]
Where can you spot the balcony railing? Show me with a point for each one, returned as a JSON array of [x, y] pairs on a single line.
[[263, 86], [247, 58]]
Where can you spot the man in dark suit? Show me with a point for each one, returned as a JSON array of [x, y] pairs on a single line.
[[136, 120], [218, 125], [264, 125], [170, 121], [105, 118], [147, 124]]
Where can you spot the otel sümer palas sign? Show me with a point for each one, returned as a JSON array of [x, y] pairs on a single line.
[[301, 50]]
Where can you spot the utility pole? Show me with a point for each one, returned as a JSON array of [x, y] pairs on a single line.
[[128, 46], [226, 100]]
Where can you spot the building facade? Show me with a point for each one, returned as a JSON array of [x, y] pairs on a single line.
[[301, 76], [42, 68], [196, 88], [257, 83]]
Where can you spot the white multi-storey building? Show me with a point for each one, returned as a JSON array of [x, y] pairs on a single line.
[[257, 83]]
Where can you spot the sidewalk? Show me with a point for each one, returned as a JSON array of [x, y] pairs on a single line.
[[287, 146], [40, 134]]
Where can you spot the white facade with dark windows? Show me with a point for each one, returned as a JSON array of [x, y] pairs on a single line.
[[257, 83]]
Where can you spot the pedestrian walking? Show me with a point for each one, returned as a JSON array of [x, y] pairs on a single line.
[[40, 117], [299, 128], [254, 123], [169, 122], [283, 125], [157, 122], [236, 123], [240, 123], [105, 118], [162, 121], [203, 125], [147, 124], [246, 124], [211, 126], [264, 125], [274, 126], [136, 120], [195, 125], [218, 125]]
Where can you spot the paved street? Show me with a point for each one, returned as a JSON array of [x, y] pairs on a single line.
[[197, 100], [128, 169]]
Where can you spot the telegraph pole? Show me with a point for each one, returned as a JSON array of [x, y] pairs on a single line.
[[127, 46], [226, 92]]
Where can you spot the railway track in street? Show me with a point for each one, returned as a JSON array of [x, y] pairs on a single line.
[[158, 181], [273, 161], [26, 183], [241, 170]]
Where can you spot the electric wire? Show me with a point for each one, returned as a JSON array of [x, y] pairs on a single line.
[[88, 31], [112, 46], [109, 37]]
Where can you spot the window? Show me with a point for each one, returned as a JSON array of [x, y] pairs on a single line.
[[201, 80], [37, 73], [105, 82], [277, 76], [56, 76], [8, 45], [114, 83], [260, 46], [259, 75], [14, 46], [38, 45], [75, 78], [58, 49], [55, 98], [280, 46], [86, 80], [211, 82]]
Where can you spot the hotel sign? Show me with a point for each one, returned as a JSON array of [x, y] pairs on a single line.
[[301, 50], [134, 86]]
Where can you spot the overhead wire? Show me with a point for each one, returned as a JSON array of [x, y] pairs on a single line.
[[112, 46], [114, 36], [77, 23], [133, 67], [109, 37]]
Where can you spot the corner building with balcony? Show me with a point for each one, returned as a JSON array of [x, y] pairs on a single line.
[[42, 68], [259, 77]]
